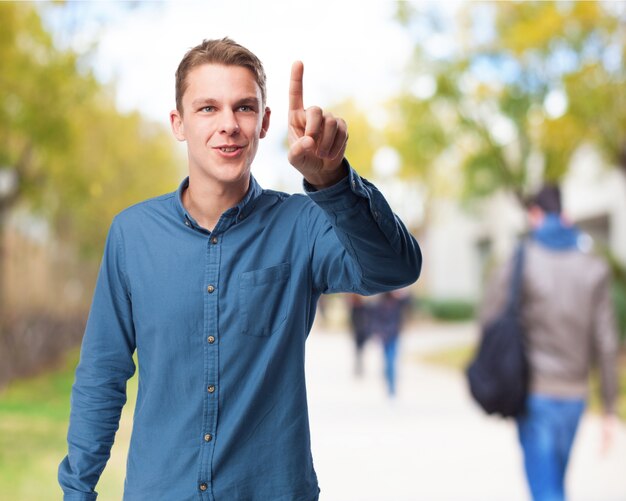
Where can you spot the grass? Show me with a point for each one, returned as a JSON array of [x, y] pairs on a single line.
[[457, 358], [34, 415]]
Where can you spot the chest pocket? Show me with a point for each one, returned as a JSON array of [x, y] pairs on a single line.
[[264, 299]]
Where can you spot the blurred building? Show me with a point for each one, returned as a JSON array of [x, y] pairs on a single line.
[[461, 245]]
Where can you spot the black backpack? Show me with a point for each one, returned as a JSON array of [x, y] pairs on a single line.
[[498, 374]]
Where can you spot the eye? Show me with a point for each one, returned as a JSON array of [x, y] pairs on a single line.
[[207, 109], [246, 108]]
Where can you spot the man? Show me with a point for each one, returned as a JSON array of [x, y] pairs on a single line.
[[569, 319], [389, 313], [215, 287]]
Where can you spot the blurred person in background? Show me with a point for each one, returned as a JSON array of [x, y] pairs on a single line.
[[359, 312], [569, 320], [388, 315], [215, 286]]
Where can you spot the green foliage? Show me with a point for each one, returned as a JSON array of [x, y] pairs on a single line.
[[34, 416], [364, 139], [416, 132], [618, 289], [619, 299], [78, 160], [33, 424], [493, 111], [452, 310]]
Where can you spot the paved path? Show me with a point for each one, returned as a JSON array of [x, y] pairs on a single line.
[[431, 443]]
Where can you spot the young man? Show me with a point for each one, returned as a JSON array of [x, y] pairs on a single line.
[[215, 287], [570, 324]]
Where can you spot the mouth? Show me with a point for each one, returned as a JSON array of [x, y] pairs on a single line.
[[228, 149]]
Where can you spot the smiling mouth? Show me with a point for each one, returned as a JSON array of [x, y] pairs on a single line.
[[229, 149]]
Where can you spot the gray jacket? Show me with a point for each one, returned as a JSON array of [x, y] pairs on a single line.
[[569, 319]]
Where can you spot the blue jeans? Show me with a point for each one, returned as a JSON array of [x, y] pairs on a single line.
[[390, 349], [546, 433]]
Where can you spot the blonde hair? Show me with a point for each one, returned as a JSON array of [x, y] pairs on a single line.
[[224, 51]]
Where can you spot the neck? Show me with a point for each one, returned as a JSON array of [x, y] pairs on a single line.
[[555, 234], [206, 202]]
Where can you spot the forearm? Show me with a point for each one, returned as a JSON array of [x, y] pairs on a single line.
[[606, 345]]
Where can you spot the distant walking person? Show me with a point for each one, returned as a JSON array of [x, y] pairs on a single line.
[[388, 316], [569, 319], [360, 326]]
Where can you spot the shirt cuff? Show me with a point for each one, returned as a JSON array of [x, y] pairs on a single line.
[[80, 496], [342, 195]]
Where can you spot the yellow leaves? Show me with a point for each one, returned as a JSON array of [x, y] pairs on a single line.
[[525, 27], [364, 138], [530, 25], [86, 161], [559, 139]]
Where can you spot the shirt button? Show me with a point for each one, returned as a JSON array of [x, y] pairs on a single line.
[[210, 388], [203, 486], [187, 223], [214, 240], [210, 289], [207, 438], [211, 339]]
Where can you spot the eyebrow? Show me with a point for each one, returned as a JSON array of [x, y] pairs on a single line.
[[249, 101]]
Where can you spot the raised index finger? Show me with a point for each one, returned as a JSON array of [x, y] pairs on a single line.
[[295, 87]]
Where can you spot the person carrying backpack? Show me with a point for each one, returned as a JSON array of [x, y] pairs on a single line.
[[569, 321]]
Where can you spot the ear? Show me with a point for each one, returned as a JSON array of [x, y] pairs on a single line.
[[176, 122], [265, 124]]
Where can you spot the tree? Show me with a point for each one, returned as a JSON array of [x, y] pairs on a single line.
[[526, 85], [75, 160], [517, 90]]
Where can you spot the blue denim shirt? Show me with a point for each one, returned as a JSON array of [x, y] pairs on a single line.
[[219, 322]]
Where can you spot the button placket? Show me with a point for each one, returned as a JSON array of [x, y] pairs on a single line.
[[211, 357]]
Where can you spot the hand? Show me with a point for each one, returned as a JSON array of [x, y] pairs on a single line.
[[610, 424], [317, 140]]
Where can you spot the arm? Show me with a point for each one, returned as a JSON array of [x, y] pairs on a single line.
[[382, 254], [606, 349], [99, 390], [358, 244]]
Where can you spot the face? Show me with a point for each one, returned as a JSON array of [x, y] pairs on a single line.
[[222, 121], [535, 216]]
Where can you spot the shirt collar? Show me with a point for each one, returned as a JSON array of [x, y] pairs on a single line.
[[234, 214]]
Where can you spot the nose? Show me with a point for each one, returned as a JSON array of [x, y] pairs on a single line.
[[229, 123]]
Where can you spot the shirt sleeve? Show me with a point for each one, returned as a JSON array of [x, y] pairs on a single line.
[[99, 390], [606, 342], [357, 243]]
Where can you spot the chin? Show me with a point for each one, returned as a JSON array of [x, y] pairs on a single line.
[[233, 175]]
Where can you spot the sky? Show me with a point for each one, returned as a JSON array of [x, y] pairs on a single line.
[[350, 49]]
